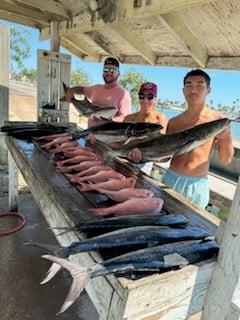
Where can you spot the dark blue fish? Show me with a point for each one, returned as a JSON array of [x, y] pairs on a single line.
[[158, 258], [109, 224]]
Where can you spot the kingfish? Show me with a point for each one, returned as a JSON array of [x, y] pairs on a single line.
[[27, 131], [120, 131], [158, 258], [88, 109], [115, 223], [128, 238], [157, 147]]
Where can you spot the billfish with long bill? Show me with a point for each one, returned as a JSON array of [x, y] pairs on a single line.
[[88, 109], [156, 146]]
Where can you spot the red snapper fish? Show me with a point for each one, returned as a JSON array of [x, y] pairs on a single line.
[[126, 194], [102, 176], [131, 207], [113, 184]]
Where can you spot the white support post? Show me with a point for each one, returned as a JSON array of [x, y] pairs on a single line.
[[222, 298]]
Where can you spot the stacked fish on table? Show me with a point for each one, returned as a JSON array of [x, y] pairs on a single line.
[[152, 241], [84, 167]]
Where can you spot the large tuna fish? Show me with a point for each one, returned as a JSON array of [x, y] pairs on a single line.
[[159, 258]]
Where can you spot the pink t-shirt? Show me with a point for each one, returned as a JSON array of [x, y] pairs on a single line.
[[116, 96]]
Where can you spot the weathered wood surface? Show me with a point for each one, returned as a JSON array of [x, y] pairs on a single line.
[[222, 300], [169, 296]]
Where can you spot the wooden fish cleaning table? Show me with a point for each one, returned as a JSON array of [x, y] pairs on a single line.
[[172, 295]]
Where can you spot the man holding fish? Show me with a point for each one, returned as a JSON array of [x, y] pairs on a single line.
[[109, 94], [188, 172]]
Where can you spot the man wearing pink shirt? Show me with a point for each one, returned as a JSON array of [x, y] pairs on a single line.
[[108, 94]]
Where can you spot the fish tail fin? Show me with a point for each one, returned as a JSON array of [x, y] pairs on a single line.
[[52, 271], [85, 186], [107, 153], [55, 249], [80, 277]]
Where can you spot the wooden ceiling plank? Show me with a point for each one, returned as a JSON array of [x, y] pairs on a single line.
[[25, 21], [24, 12], [189, 41], [103, 43], [79, 51], [127, 11], [135, 42], [53, 7], [82, 23]]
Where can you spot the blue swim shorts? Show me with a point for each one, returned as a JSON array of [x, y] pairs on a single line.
[[195, 189]]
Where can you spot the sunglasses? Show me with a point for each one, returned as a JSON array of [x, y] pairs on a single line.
[[112, 70], [149, 96]]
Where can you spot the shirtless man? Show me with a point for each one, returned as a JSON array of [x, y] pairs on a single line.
[[188, 173]]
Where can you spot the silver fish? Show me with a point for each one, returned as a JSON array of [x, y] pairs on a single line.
[[157, 147], [88, 109], [159, 258], [120, 131]]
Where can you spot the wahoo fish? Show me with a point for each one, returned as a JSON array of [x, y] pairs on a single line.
[[115, 223], [120, 131], [157, 147], [159, 258], [28, 130], [88, 109], [129, 238]]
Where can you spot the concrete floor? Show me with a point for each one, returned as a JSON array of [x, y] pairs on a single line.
[[22, 269]]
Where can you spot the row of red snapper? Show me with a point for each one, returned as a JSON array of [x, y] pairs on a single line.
[[84, 167]]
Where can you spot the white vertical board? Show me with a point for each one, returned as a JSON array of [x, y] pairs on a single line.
[[225, 279], [53, 69], [4, 85]]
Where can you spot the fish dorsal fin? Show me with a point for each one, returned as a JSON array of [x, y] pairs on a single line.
[[174, 259]]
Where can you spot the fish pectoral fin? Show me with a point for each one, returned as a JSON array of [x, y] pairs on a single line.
[[174, 259], [153, 243]]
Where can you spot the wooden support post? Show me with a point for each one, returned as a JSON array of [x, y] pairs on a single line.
[[223, 292], [13, 183], [4, 85]]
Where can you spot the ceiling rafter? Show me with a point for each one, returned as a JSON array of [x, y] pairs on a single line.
[[127, 11], [189, 41], [25, 12], [53, 7], [135, 42], [81, 50]]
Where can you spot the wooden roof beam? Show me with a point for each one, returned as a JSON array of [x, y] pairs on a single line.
[[127, 11], [29, 14], [188, 39], [135, 42], [81, 52], [54, 7], [25, 21]]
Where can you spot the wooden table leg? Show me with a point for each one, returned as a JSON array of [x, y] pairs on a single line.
[[13, 184]]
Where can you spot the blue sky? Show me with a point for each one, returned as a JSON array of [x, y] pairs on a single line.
[[225, 84]]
